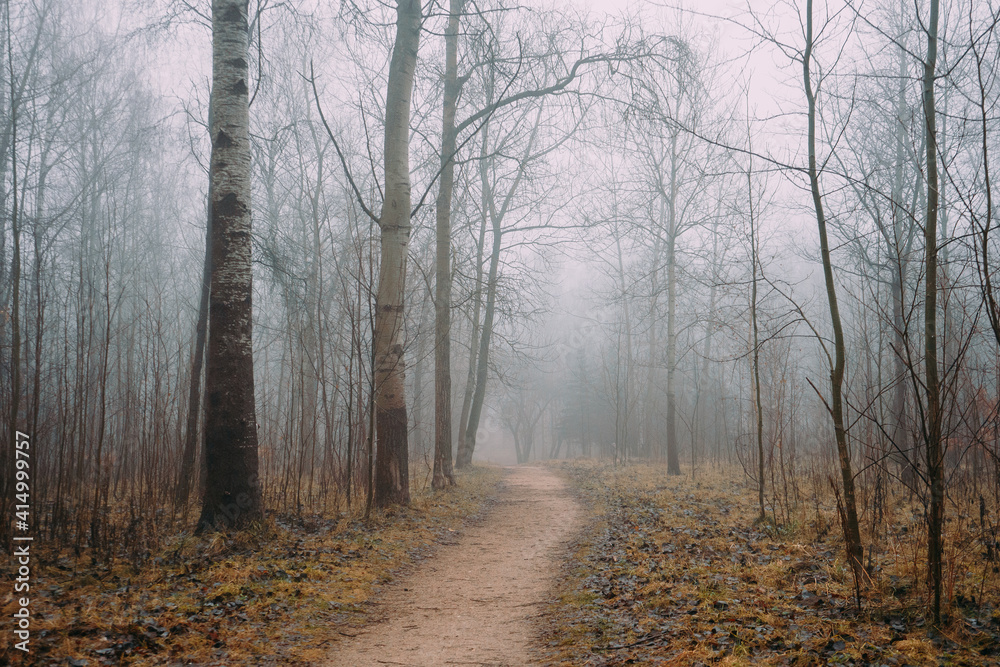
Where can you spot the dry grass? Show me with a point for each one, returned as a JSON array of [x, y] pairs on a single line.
[[680, 572], [280, 595]]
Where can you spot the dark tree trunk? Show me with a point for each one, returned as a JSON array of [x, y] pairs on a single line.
[[852, 533], [899, 249], [477, 298], [186, 474], [758, 403], [15, 265], [673, 455], [443, 474], [935, 450], [482, 366]]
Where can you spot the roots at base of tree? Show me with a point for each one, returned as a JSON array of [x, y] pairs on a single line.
[[230, 510], [464, 457], [442, 480], [232, 484]]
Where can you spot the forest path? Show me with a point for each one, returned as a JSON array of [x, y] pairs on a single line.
[[474, 601]]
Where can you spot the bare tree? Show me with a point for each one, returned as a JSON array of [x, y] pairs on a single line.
[[932, 421], [849, 512]]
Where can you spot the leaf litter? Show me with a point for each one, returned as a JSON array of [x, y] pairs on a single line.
[[678, 572], [281, 595]]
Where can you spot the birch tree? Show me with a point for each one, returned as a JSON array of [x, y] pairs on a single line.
[[232, 492]]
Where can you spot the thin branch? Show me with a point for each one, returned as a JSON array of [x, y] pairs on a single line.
[[340, 153]]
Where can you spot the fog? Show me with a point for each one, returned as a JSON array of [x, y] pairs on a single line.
[[632, 248]]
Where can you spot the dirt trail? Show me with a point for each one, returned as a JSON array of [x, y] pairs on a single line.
[[474, 601]]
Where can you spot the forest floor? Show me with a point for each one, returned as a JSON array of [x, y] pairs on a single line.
[[572, 563], [477, 602], [280, 595], [675, 571]]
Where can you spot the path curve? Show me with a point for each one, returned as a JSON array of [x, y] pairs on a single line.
[[474, 602]]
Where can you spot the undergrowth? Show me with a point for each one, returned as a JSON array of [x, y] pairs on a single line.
[[282, 594], [673, 571]]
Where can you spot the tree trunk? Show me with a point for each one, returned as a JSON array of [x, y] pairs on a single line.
[[15, 265], [852, 533], [902, 449], [418, 431], [15, 307], [468, 446], [186, 474], [443, 475], [648, 418], [232, 492], [673, 459], [622, 384], [482, 366], [706, 352], [39, 259], [392, 484], [935, 452], [464, 452], [758, 404], [470, 381]]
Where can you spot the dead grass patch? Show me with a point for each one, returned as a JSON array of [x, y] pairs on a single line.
[[675, 571]]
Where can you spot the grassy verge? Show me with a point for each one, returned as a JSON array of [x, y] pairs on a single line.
[[678, 572], [281, 595]]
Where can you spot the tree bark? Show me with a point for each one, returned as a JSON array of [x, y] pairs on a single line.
[[466, 446], [392, 485], [419, 433], [232, 494], [673, 459], [623, 386], [443, 474]]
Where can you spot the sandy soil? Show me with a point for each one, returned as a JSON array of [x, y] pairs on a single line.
[[476, 600]]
